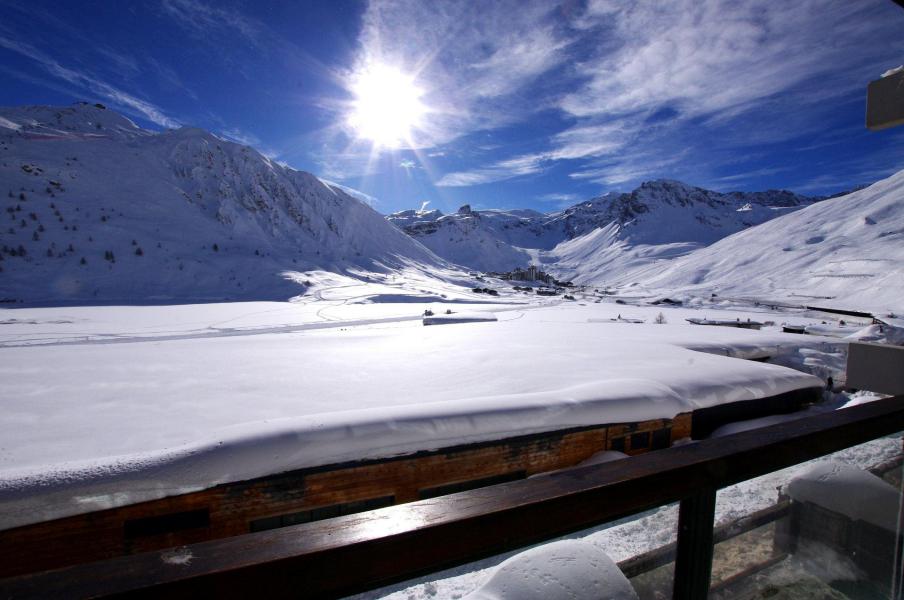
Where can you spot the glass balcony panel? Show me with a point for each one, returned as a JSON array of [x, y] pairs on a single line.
[[828, 528]]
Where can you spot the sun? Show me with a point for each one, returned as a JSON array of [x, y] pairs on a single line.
[[387, 105]]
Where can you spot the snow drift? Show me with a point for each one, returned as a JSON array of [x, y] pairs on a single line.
[[562, 570]]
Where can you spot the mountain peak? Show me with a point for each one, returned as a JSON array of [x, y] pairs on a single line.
[[129, 214], [664, 182], [78, 120], [660, 212]]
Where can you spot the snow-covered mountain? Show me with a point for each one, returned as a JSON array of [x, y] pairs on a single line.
[[846, 251], [660, 218], [486, 240], [667, 212], [97, 209]]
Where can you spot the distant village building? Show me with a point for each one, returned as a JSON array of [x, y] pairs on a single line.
[[531, 273]]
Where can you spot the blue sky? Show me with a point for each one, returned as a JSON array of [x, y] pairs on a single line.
[[518, 104]]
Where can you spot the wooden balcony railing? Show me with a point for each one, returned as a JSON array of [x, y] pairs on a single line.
[[358, 552]]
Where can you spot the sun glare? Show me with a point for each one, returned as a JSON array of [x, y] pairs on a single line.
[[387, 106]]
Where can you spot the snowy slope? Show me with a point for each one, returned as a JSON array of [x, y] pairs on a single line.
[[96, 209], [606, 254], [659, 219], [846, 251], [617, 234], [487, 240], [667, 212], [408, 218]]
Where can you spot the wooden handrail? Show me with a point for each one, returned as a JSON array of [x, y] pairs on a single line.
[[348, 554]]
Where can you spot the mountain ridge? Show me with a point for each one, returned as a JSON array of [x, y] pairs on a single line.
[[99, 210], [847, 251], [660, 212]]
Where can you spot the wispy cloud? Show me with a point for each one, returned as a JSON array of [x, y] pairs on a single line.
[[592, 141], [472, 64], [86, 81], [715, 56], [623, 74], [200, 18], [631, 167], [226, 32], [168, 77], [507, 169], [684, 74], [125, 64], [249, 139], [559, 197], [756, 173], [365, 198], [584, 141], [243, 137]]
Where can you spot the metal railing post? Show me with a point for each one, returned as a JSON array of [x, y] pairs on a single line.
[[694, 555]]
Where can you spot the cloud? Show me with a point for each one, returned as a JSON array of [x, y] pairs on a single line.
[[125, 64], [202, 19], [357, 194], [707, 56], [243, 137], [633, 167], [507, 169], [168, 77], [575, 143], [86, 81], [560, 198], [474, 65], [704, 79], [747, 175], [591, 140], [625, 75]]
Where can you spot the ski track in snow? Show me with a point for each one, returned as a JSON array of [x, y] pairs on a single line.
[[222, 332]]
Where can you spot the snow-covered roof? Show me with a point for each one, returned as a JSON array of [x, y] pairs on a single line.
[[108, 424]]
